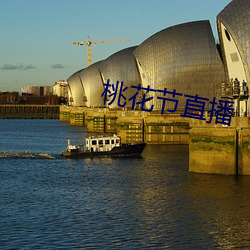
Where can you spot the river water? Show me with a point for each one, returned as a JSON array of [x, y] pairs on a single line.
[[150, 203]]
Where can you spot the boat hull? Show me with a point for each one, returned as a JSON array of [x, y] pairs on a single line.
[[126, 150]]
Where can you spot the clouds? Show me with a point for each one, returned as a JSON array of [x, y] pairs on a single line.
[[21, 66], [57, 66]]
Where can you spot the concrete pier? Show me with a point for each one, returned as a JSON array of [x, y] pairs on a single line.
[[166, 129], [132, 126], [218, 149], [213, 148], [64, 114]]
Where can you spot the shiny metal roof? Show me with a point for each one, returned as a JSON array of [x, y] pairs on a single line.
[[93, 85], [236, 18], [120, 67], [76, 90], [183, 57]]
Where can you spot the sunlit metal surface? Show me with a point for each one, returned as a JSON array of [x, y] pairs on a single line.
[[77, 95], [236, 18], [120, 67], [183, 57], [234, 33], [93, 85]]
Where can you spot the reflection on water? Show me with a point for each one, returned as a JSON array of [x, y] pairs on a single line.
[[224, 201], [107, 203]]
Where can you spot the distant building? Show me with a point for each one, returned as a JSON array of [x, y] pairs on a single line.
[[60, 89], [47, 90], [9, 97], [39, 95], [30, 90], [40, 100], [37, 90]]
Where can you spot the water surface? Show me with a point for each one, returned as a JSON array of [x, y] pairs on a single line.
[[104, 203]]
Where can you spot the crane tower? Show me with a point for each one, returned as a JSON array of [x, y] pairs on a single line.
[[89, 43]]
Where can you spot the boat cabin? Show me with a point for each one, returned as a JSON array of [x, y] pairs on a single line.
[[102, 143]]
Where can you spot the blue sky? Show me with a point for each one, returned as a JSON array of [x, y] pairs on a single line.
[[36, 35]]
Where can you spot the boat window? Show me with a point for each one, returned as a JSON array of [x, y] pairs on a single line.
[[117, 141], [107, 142], [100, 142], [112, 141], [93, 142]]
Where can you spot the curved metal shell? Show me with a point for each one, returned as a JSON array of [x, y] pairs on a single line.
[[235, 17], [234, 33], [121, 67], [76, 90], [93, 85], [183, 57]]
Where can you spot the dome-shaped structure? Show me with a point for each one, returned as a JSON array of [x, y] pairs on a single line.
[[93, 85], [183, 57], [76, 91], [234, 33], [121, 67]]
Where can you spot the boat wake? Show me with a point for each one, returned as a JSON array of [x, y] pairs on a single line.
[[26, 154]]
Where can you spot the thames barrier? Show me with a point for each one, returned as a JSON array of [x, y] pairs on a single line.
[[213, 148], [179, 62]]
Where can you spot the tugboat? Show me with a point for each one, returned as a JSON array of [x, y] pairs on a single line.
[[96, 146]]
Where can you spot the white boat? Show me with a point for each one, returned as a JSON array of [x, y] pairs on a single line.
[[103, 146]]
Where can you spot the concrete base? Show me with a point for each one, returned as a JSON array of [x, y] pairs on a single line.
[[166, 129], [132, 126], [214, 148], [64, 114]]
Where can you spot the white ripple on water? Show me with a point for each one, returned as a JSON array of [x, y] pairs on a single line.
[[26, 154]]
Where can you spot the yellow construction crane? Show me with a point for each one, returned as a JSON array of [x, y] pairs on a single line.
[[89, 43]]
